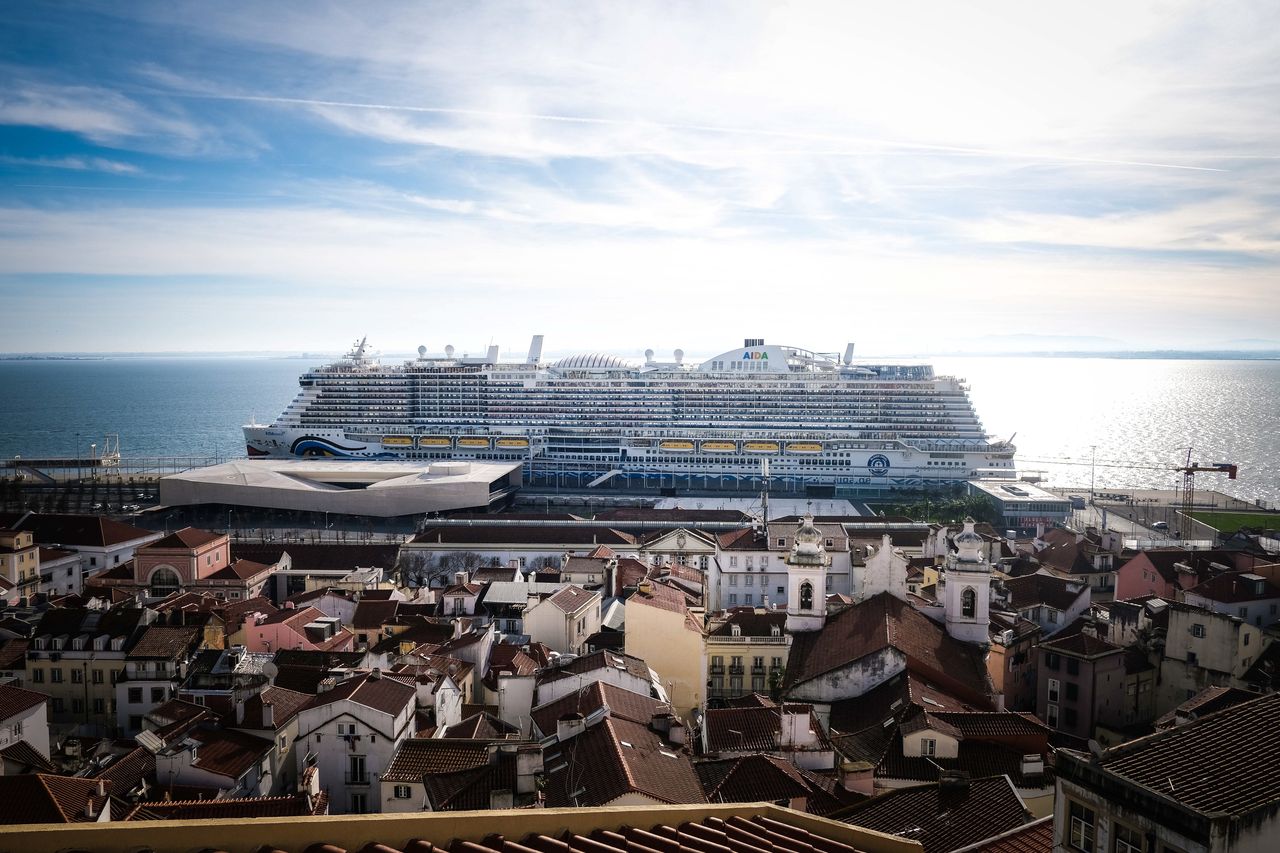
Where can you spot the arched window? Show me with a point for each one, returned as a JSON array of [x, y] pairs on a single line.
[[164, 581], [806, 596], [968, 602]]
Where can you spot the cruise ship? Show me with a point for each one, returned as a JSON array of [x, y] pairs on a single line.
[[813, 423]]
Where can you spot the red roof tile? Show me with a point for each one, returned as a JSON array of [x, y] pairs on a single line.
[[170, 642], [883, 622], [188, 538], [616, 757], [1034, 837], [620, 703], [15, 700], [387, 695], [940, 817], [418, 756]]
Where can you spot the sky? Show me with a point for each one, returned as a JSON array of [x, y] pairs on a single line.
[[911, 176]]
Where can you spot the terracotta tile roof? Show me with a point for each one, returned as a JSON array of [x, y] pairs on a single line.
[[433, 666], [15, 700], [387, 695], [620, 703], [1231, 587], [572, 598], [745, 539], [126, 773], [769, 779], [594, 661], [992, 724], [1034, 837], [13, 653], [667, 598], [882, 622], [464, 589], [471, 789], [977, 758], [755, 729], [227, 752], [1080, 644], [420, 630], [751, 700], [1034, 590], [750, 622], [170, 642], [321, 557], [73, 621], [482, 726], [187, 538], [614, 758], [766, 829], [293, 805], [372, 613], [49, 555], [943, 818], [86, 531], [418, 756], [43, 798], [285, 705], [1227, 762], [1165, 561], [241, 570], [23, 753]]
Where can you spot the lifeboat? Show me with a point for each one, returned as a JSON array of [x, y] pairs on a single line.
[[804, 447], [435, 441], [761, 446], [720, 446], [513, 442], [473, 441], [397, 441], [680, 445]]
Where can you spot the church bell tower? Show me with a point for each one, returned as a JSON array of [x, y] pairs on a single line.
[[807, 566]]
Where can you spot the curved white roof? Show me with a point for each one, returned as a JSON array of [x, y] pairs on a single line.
[[593, 361]]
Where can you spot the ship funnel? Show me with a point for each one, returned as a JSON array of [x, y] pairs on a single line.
[[535, 350], [492, 357], [848, 353]]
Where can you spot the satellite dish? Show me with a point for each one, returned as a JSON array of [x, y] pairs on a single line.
[[448, 351], [270, 670], [679, 356], [648, 355], [422, 352]]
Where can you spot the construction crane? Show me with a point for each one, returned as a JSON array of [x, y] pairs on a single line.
[[1189, 471]]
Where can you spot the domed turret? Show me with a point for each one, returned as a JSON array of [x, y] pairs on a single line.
[[969, 544], [808, 538]]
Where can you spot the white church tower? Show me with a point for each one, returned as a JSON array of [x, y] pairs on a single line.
[[967, 600], [807, 566]]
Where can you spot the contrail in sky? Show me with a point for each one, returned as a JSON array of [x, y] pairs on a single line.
[[702, 128]]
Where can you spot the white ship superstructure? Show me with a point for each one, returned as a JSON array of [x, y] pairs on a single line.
[[816, 422]]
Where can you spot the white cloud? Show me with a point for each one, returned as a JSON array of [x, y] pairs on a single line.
[[75, 164]]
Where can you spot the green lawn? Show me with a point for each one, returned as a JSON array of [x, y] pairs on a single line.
[[1230, 522]]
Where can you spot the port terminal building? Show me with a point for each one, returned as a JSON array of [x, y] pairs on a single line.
[[378, 489], [1021, 505]]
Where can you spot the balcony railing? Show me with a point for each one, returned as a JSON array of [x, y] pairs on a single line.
[[356, 778]]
